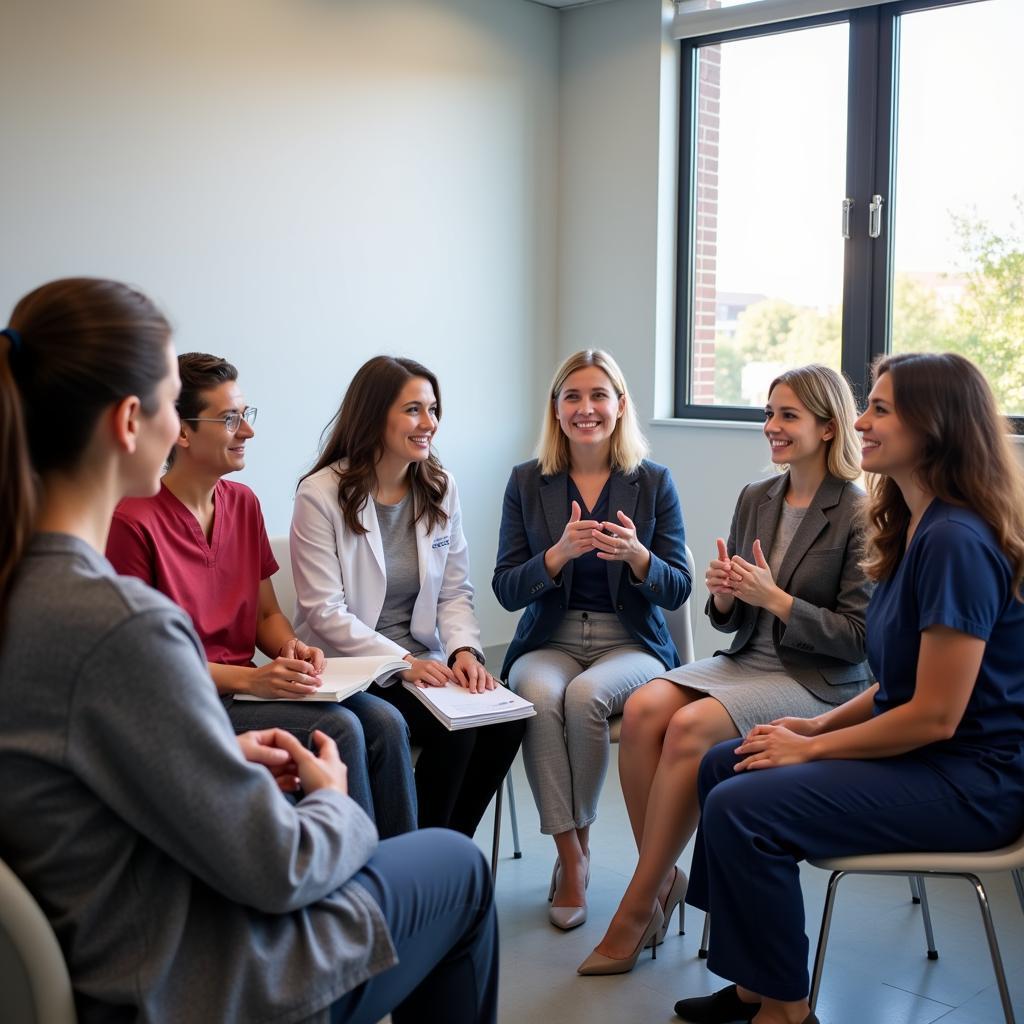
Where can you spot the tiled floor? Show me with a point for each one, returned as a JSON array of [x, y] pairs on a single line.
[[876, 973]]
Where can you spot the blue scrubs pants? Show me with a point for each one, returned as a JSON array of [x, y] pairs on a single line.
[[434, 889], [756, 826]]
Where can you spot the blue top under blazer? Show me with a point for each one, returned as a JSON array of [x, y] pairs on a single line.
[[533, 517]]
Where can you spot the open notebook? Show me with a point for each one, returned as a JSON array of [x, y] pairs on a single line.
[[456, 708], [344, 676]]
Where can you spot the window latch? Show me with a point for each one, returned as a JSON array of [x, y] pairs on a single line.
[[875, 216], [847, 207]]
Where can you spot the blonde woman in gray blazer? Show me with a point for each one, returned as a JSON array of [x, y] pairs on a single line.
[[788, 583]]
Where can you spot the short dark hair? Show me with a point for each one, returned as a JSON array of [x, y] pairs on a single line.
[[199, 372]]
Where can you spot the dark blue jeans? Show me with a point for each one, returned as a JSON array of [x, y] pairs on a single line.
[[373, 741], [756, 826], [434, 889]]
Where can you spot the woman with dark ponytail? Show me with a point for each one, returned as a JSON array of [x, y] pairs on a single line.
[[179, 881]]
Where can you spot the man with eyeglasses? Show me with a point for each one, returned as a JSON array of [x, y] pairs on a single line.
[[202, 542]]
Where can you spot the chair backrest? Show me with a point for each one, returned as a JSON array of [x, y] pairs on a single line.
[[679, 622], [33, 975], [284, 585]]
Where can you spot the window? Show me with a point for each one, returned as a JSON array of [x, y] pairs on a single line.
[[851, 185]]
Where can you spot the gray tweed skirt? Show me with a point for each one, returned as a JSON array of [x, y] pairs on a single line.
[[751, 694]]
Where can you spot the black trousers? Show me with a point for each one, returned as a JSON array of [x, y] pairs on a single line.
[[457, 773]]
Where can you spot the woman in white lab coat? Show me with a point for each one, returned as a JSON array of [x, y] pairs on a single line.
[[381, 567]]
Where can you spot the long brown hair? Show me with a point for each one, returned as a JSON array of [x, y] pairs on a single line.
[[965, 458], [83, 344], [357, 436]]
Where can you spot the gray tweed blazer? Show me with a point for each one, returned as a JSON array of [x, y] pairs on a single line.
[[822, 645]]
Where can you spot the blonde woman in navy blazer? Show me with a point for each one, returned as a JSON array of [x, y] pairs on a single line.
[[592, 548]]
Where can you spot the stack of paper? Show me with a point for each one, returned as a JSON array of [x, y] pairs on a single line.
[[456, 708]]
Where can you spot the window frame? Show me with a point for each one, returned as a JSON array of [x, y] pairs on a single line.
[[872, 121]]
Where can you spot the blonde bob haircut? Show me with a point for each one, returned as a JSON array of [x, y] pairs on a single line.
[[828, 398], [629, 447]]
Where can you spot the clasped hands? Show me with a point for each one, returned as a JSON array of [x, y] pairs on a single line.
[[613, 542], [294, 766], [295, 672], [785, 741], [736, 577]]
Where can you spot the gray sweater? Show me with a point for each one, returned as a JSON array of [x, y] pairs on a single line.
[[180, 882]]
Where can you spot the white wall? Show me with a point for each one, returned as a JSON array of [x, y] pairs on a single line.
[[617, 140], [303, 184]]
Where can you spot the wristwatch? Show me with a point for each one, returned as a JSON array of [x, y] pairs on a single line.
[[472, 650]]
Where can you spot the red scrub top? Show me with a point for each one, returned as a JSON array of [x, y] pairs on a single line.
[[217, 581]]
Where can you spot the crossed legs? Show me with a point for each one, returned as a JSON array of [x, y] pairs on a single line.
[[666, 730]]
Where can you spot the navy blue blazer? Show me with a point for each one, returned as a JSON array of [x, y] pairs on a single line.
[[533, 516]]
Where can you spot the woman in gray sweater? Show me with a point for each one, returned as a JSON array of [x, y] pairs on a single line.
[[181, 884]]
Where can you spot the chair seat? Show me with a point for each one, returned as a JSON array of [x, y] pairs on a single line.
[[614, 728], [1008, 858]]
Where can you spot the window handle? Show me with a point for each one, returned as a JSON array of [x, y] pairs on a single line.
[[847, 207], [875, 216]]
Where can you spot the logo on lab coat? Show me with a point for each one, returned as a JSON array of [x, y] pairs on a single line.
[[442, 542]]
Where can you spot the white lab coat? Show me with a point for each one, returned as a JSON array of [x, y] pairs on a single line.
[[340, 579]]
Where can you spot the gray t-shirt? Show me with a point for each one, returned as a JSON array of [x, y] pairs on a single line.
[[180, 882], [401, 564], [760, 651]]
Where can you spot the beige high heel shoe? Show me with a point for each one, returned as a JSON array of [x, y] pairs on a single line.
[[598, 963], [673, 900], [566, 918]]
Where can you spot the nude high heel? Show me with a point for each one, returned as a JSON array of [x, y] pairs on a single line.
[[598, 963], [566, 918], [673, 900]]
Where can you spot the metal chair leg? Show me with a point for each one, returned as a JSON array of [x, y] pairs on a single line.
[[496, 841], [703, 951], [993, 947], [1018, 881], [826, 926], [517, 853], [915, 893], [926, 916]]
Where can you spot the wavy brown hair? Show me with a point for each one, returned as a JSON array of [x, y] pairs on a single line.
[[357, 436], [966, 458], [86, 343]]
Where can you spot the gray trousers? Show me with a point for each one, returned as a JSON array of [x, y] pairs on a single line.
[[577, 681]]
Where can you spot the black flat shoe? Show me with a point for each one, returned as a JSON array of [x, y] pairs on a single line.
[[723, 1007]]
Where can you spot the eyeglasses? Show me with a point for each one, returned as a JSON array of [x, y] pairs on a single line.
[[231, 420]]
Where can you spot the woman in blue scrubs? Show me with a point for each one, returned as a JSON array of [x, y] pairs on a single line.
[[932, 757]]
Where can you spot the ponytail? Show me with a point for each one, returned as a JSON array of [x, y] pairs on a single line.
[[73, 348], [17, 481]]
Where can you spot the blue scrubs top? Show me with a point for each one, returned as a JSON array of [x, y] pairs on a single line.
[[955, 574], [590, 591]]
